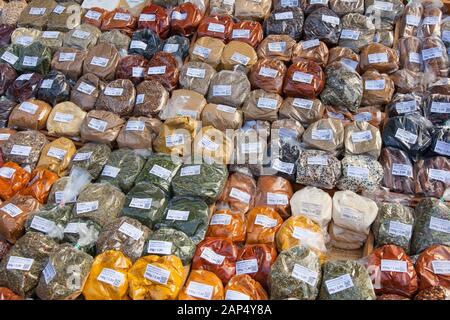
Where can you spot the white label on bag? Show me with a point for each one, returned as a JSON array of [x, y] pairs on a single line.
[[440, 107], [6, 172], [28, 107], [284, 167], [157, 274], [42, 224], [19, 263], [350, 34], [412, 20], [30, 61], [37, 11], [11, 209], [47, 84], [59, 9], [446, 35], [202, 51], [358, 172], [415, 57], [305, 274], [405, 106], [277, 199], [97, 125], [289, 3], [122, 16], [141, 203], [49, 272], [216, 27], [228, 2], [135, 125], [302, 234], [80, 34], [339, 284], [277, 46], [393, 266], [74, 227], [351, 214], [110, 171], [56, 153], [236, 295], [147, 17], [111, 277], [82, 156], [241, 34], [442, 147], [227, 109], [221, 91], [303, 103], [381, 57], [268, 72], [431, 20], [200, 290], [190, 171], [92, 14], [24, 40], [402, 170], [4, 136], [331, 19], [265, 221], [171, 47], [361, 136], [159, 247], [59, 196], [302, 77], [131, 231], [439, 175], [431, 53], [174, 140], [140, 98], [374, 85], [310, 43], [136, 44], [99, 61], [240, 195], [178, 215], [9, 57], [322, 134], [160, 172], [176, 15], [440, 225], [24, 77], [212, 257], [196, 73], [382, 5], [19, 150], [284, 15], [441, 267], [400, 229], [311, 209], [349, 63], [240, 58], [156, 70], [267, 103], [85, 207], [113, 92], [220, 219], [246, 266], [85, 88], [363, 116], [318, 161], [406, 136], [318, 1]]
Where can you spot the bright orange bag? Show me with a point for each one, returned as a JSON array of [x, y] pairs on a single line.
[[41, 182], [202, 285], [256, 260], [12, 179], [244, 287], [226, 224], [262, 225]]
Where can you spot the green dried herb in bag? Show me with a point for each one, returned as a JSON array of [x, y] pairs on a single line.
[[92, 157], [34, 58], [50, 220], [145, 202], [82, 234]]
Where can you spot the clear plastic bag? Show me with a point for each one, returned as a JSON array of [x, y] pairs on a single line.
[[176, 136], [278, 47], [288, 21], [83, 37], [177, 46], [435, 109], [7, 77], [314, 50], [55, 88], [362, 138], [86, 91], [262, 225], [31, 114], [196, 76], [435, 57], [163, 67], [102, 60], [229, 88], [185, 19], [36, 14], [398, 170], [244, 286], [219, 27], [360, 173], [24, 148], [151, 98], [50, 220], [262, 105], [425, 263], [248, 31], [305, 79], [410, 50], [326, 134], [238, 55], [159, 24], [379, 57], [388, 10], [145, 43], [208, 50], [24, 87], [82, 234], [118, 97], [357, 30], [183, 103], [411, 19], [119, 19], [12, 179], [91, 157], [118, 39], [131, 67], [322, 24], [313, 203], [101, 126], [65, 120], [56, 156], [138, 133], [227, 224], [432, 176], [303, 110], [268, 74]]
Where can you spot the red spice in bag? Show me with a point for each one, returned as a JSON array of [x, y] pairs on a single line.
[[264, 254], [185, 19], [250, 32], [429, 267], [94, 16], [268, 74], [120, 19], [132, 67], [155, 18], [219, 27], [239, 192], [163, 68], [274, 192], [227, 224], [304, 79]]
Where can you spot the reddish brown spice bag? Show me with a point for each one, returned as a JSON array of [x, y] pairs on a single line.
[[219, 27], [155, 18], [218, 256], [132, 67], [431, 176], [120, 19], [392, 271], [304, 79], [94, 16], [239, 193], [185, 19], [163, 68], [432, 267], [274, 192], [268, 74], [250, 32], [398, 170], [227, 224]]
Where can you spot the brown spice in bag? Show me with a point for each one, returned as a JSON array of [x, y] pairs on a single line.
[[248, 31], [132, 67], [378, 88], [86, 91], [120, 19], [261, 105], [274, 192], [196, 76], [277, 47], [398, 170], [239, 193], [163, 67], [185, 19], [379, 57], [219, 27], [222, 117], [151, 98], [314, 50], [411, 19], [268, 74], [139, 133], [431, 176], [31, 114], [362, 138], [69, 61], [208, 50], [303, 110], [410, 50], [304, 79], [102, 61], [101, 126], [94, 16], [117, 97]]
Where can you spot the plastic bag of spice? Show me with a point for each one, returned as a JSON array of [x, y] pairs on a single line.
[[14, 212], [183, 103], [23, 265], [7, 77], [389, 10], [131, 67], [124, 234], [410, 49], [101, 126], [117, 97], [262, 225], [5, 34], [326, 134], [138, 133], [314, 50], [208, 50], [57, 155], [220, 7], [54, 88], [410, 133], [431, 267], [404, 104], [24, 87], [261, 105], [229, 88], [82, 234], [7, 294], [432, 176], [36, 14], [40, 184], [145, 43], [91, 157], [163, 67], [176, 136], [274, 192], [34, 58], [119, 19], [213, 146], [202, 285], [431, 22], [64, 17], [31, 114], [50, 220], [268, 74], [407, 81], [69, 61], [296, 274], [216, 255], [252, 10], [185, 18], [65, 120], [411, 19], [398, 170], [435, 108], [239, 193], [222, 117], [94, 16], [196, 76], [11, 11], [379, 57], [393, 225], [304, 78], [250, 32], [362, 138], [84, 37], [278, 47], [12, 180], [243, 287], [303, 110], [52, 39], [238, 55], [322, 24], [357, 31], [360, 173], [287, 21], [219, 27], [178, 46], [108, 278], [441, 142], [155, 18], [24, 147], [122, 169], [118, 39], [5, 133], [86, 91], [227, 224], [151, 98], [102, 61], [53, 285]]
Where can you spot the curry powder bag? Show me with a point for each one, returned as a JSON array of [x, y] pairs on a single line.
[[176, 136], [31, 114], [227, 224], [238, 54], [262, 225], [56, 156], [202, 285], [208, 50]]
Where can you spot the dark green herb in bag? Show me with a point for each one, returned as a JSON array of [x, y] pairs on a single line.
[[34, 58], [50, 220], [145, 202], [92, 157], [82, 234], [122, 169], [187, 214], [201, 180]]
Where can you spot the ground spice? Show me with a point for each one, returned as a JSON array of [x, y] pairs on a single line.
[[262, 225], [241, 286], [40, 184], [203, 279], [12, 180]]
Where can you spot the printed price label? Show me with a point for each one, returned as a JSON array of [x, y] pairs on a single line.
[[30, 61], [406, 136], [415, 57], [288, 15], [310, 43], [97, 125], [284, 167], [303, 103], [171, 47], [42, 224], [304, 274], [19, 263], [59, 197], [47, 84], [99, 62], [400, 229], [56, 153], [110, 171], [393, 265], [208, 144], [140, 98], [122, 16], [200, 290], [113, 92], [246, 266], [440, 225], [402, 170], [159, 247], [37, 11], [86, 88], [85, 207], [178, 215], [131, 231], [358, 172], [339, 284], [311, 209], [277, 46], [24, 77], [440, 107], [176, 15], [405, 106], [82, 156], [80, 34], [361, 136], [24, 40], [135, 125], [235, 295], [431, 53], [74, 227], [196, 73], [160, 172], [380, 57], [331, 19], [220, 219], [7, 172], [442, 147], [50, 34], [317, 161], [268, 72], [111, 277], [431, 20], [141, 203], [216, 27], [441, 267], [19, 150], [202, 51], [136, 44], [363, 116], [156, 70], [351, 214], [384, 6], [49, 272], [240, 195], [174, 140], [94, 15], [240, 58], [59, 9], [4, 136], [227, 109], [241, 34], [302, 234], [302, 77], [265, 221], [289, 3], [277, 199], [211, 256], [190, 171], [374, 85], [350, 34], [439, 175], [221, 91], [9, 57], [147, 17], [412, 20], [322, 134], [267, 103], [157, 274], [11, 209], [28, 107]]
